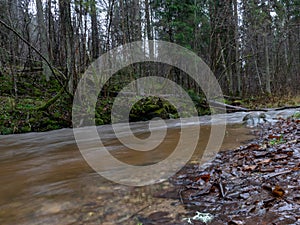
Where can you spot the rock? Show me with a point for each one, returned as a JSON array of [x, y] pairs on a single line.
[[254, 118]]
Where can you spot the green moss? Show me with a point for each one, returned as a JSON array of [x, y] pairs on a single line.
[[25, 129], [296, 115], [151, 107], [6, 130], [27, 113]]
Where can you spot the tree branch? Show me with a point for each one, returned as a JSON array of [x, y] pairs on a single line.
[[38, 52], [63, 86]]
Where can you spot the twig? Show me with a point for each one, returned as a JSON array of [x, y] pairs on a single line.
[[180, 195], [221, 189], [132, 215], [268, 176]]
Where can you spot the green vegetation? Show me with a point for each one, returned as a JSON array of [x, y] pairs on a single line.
[[23, 113], [27, 111], [30, 111], [296, 115], [276, 141]]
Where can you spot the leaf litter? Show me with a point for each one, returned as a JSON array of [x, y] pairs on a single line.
[[257, 183]]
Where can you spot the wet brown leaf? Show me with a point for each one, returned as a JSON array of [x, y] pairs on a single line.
[[205, 177], [278, 191], [249, 168], [275, 136]]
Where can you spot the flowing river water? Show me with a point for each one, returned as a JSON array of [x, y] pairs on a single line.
[[45, 180]]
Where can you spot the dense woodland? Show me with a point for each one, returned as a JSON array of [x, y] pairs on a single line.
[[252, 46]]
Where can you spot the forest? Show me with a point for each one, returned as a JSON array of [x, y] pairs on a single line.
[[251, 46], [71, 154]]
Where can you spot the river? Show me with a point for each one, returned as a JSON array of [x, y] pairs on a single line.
[[45, 179]]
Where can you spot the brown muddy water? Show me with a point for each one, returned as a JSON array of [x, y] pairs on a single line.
[[45, 179]]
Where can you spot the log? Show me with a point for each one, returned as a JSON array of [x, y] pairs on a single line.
[[232, 108], [228, 107]]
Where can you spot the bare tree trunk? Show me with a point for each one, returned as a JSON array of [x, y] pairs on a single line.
[[68, 42], [148, 22], [124, 37], [43, 37], [95, 32], [13, 16], [50, 30], [109, 22], [256, 69], [266, 35], [227, 70], [268, 75], [237, 48]]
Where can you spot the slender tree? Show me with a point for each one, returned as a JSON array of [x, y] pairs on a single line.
[[43, 37]]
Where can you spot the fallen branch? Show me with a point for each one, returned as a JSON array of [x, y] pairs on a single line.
[[51, 101], [232, 108], [286, 107], [64, 86], [38, 52]]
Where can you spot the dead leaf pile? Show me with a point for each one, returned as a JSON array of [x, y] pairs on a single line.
[[256, 184]]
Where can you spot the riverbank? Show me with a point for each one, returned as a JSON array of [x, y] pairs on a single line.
[[24, 115], [255, 184], [25, 108]]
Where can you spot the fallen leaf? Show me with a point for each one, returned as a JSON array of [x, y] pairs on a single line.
[[249, 168], [278, 191], [267, 170], [205, 177], [263, 161], [277, 137], [253, 147]]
